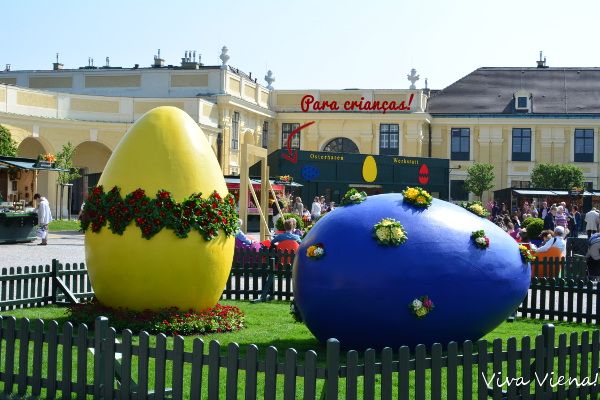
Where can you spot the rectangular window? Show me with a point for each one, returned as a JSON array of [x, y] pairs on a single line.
[[521, 102], [235, 131], [584, 145], [389, 139], [457, 190], [286, 129], [520, 184], [460, 144], [265, 134], [521, 144]]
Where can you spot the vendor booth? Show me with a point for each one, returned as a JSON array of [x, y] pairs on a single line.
[[333, 174], [515, 198], [18, 184], [280, 188]]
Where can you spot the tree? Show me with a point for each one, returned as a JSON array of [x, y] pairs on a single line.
[[8, 147], [480, 178], [64, 160], [557, 176]]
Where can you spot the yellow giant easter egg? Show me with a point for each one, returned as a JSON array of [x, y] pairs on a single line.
[[369, 169], [164, 150]]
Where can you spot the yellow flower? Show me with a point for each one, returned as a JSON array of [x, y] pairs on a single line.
[[411, 193], [383, 234], [421, 199], [386, 222], [421, 312], [311, 251], [397, 232]]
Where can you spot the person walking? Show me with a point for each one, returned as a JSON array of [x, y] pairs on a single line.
[[549, 219], [44, 218], [315, 210], [298, 207], [591, 222]]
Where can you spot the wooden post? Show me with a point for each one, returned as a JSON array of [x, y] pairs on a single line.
[[247, 150], [264, 199], [244, 178]]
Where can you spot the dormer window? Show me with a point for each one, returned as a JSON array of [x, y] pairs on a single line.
[[522, 101]]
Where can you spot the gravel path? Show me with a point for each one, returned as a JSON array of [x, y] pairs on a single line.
[[64, 246]]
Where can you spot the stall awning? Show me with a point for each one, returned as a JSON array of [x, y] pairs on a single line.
[[234, 183], [28, 163], [527, 192], [537, 192]]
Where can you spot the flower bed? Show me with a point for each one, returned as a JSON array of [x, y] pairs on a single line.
[[169, 321]]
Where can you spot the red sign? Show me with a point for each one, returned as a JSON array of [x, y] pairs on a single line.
[[424, 174], [308, 104]]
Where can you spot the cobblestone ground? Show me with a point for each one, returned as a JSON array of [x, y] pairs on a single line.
[[64, 246]]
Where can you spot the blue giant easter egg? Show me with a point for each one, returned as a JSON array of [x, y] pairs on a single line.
[[359, 292]]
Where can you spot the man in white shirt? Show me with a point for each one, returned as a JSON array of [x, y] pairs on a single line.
[[557, 241], [591, 221], [44, 217]]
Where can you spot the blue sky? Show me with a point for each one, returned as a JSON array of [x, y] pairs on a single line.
[[308, 44]]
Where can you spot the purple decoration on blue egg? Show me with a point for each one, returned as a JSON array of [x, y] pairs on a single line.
[[361, 291]]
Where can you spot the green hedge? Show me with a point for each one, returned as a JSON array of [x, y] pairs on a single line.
[[299, 222], [534, 227]]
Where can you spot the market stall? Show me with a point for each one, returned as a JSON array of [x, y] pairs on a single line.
[[280, 188], [18, 184], [515, 198]]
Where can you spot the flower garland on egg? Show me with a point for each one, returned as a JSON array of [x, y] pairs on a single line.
[[476, 207], [207, 216], [389, 232], [417, 196], [353, 196], [316, 251], [421, 306], [480, 240], [526, 254]]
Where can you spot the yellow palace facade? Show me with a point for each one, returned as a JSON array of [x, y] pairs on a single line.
[[513, 118]]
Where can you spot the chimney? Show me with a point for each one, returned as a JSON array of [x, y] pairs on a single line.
[[541, 63], [56, 66], [158, 62], [189, 60]]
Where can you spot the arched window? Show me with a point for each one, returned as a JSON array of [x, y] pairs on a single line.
[[341, 145]]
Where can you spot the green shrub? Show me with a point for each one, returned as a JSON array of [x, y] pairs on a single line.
[[534, 227], [299, 222]]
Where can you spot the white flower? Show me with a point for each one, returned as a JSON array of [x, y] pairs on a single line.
[[355, 196], [417, 304], [318, 252], [480, 240]]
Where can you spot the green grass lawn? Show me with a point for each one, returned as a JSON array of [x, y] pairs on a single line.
[[64, 225], [270, 324]]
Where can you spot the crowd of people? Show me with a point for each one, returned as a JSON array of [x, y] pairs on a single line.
[[288, 205], [569, 218], [560, 222]]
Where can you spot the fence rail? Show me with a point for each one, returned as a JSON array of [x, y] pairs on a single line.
[[107, 365], [267, 275]]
